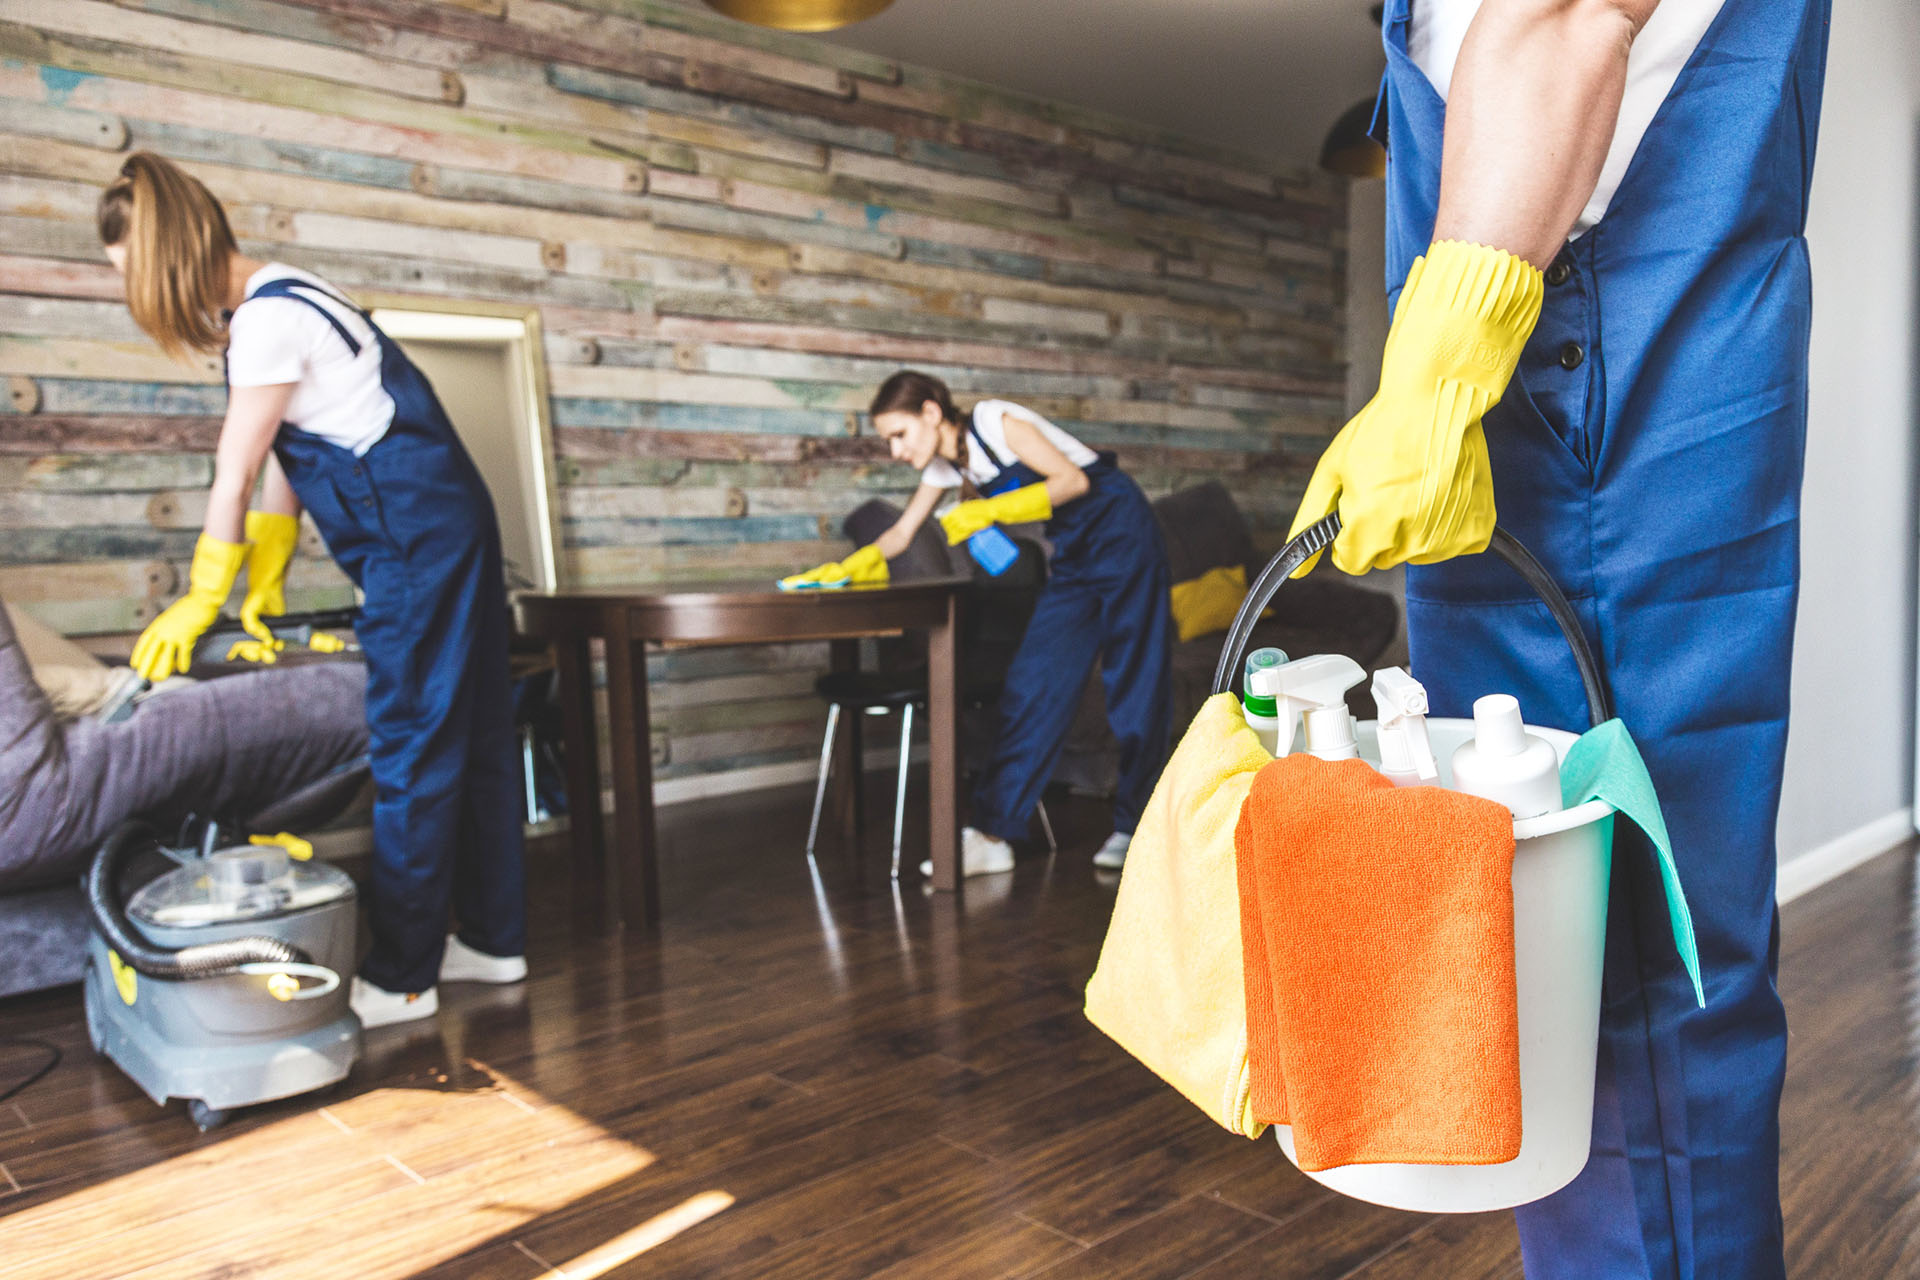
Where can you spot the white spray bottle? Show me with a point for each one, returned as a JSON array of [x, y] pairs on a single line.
[[1316, 689], [1257, 702], [1406, 756], [1506, 763]]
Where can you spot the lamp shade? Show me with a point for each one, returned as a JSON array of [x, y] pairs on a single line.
[[1349, 150], [799, 15]]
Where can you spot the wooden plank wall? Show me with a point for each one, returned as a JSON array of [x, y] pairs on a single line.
[[733, 236]]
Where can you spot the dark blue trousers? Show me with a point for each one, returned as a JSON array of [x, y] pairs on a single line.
[[1106, 599]]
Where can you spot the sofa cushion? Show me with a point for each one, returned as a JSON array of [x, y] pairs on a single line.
[[1203, 530], [1207, 605]]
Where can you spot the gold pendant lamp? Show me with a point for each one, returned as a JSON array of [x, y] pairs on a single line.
[[799, 15]]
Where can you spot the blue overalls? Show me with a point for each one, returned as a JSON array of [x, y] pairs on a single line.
[[411, 523], [1650, 451], [1106, 598]]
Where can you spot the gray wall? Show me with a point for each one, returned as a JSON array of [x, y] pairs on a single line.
[[1366, 289], [1850, 748]]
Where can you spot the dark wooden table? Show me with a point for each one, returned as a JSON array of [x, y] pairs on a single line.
[[729, 614]]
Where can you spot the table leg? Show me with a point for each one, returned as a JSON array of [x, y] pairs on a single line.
[[637, 871], [943, 747], [574, 658], [847, 784]]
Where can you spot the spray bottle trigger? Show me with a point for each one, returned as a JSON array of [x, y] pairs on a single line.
[[1402, 704]]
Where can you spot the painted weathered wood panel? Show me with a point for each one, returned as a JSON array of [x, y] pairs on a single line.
[[732, 235]]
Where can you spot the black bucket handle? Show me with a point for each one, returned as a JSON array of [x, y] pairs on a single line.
[[1318, 537]]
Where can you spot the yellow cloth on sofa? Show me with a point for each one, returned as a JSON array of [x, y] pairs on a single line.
[[1206, 604], [1170, 985]]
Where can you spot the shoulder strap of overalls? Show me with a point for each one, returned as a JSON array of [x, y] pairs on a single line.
[[288, 287], [993, 455]]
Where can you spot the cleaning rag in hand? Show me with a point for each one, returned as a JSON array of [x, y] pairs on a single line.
[[1169, 986], [1377, 927]]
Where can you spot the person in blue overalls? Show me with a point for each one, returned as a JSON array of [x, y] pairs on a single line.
[[1605, 204], [325, 412], [1106, 597]]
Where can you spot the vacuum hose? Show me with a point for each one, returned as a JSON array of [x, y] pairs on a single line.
[[206, 960]]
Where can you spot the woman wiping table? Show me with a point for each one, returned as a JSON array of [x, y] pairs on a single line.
[[1106, 596]]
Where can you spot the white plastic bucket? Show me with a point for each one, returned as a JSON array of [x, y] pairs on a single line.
[[1561, 864]]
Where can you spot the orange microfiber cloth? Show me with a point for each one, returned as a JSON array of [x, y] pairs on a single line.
[[1376, 924]]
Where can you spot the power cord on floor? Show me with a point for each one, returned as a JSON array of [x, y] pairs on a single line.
[[39, 1073]]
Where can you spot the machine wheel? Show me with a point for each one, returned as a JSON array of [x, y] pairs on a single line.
[[205, 1118]]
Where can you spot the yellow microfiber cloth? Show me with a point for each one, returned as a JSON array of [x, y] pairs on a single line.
[[1170, 987], [1378, 926]]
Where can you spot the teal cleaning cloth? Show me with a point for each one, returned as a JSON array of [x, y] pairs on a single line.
[[1606, 765]]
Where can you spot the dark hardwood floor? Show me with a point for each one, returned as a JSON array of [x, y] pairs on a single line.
[[818, 1078]]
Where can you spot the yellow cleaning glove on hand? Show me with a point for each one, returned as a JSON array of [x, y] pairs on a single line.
[[273, 536], [166, 646], [864, 566], [1409, 475], [1019, 506]]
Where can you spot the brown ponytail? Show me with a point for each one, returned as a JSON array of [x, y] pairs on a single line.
[[179, 247]]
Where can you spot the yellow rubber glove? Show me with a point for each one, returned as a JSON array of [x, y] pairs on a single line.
[[259, 651], [1019, 506], [1409, 475], [166, 646], [274, 537], [864, 566]]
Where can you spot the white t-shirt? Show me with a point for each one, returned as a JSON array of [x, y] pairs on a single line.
[[989, 419], [274, 340], [1659, 53]]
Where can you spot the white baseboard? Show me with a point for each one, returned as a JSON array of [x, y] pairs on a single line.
[[1838, 856], [703, 786]]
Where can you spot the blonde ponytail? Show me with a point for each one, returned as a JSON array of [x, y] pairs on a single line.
[[179, 247]]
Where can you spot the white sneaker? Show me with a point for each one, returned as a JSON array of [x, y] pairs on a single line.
[[1113, 854], [378, 1007], [980, 855], [461, 963]]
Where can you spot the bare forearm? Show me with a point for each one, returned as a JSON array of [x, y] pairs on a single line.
[[1530, 116], [899, 535], [1066, 486], [246, 441], [227, 502]]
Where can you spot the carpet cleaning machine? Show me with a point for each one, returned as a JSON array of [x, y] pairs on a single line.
[[222, 980]]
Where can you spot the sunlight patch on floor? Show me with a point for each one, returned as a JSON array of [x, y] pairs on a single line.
[[629, 1245], [350, 1183]]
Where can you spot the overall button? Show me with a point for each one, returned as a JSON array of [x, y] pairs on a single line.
[[1571, 355], [1558, 272], [366, 502]]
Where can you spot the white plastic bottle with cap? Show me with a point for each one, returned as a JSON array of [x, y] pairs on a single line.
[[1406, 755], [1316, 688], [1506, 763], [1257, 702]]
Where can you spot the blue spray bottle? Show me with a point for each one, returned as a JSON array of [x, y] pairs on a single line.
[[993, 550]]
